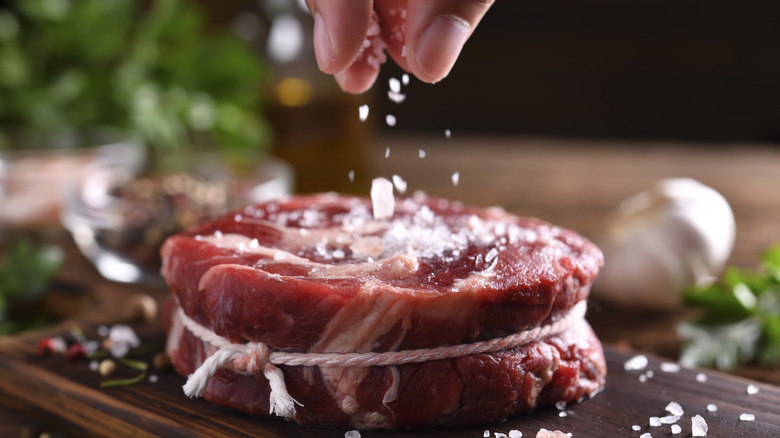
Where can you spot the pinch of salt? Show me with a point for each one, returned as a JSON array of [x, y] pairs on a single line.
[[399, 184], [390, 120], [638, 362], [698, 426], [455, 178], [382, 198], [363, 112]]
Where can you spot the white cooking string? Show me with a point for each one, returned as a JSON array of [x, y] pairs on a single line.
[[256, 357]]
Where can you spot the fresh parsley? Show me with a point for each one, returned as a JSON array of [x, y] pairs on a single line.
[[740, 320], [26, 271]]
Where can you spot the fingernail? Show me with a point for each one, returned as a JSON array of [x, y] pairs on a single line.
[[322, 48], [439, 46]]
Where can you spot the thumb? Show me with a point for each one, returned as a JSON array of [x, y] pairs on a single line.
[[436, 31], [340, 27]]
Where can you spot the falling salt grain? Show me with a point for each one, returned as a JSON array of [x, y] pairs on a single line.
[[486, 434], [638, 362], [390, 120], [387, 151], [515, 434], [447, 133], [676, 429], [500, 435], [455, 178], [645, 435], [363, 112], [396, 97], [399, 184], [655, 421], [698, 426], [153, 378], [351, 175], [712, 407], [636, 428], [670, 419], [395, 85], [752, 389], [405, 77], [421, 153], [352, 434], [382, 198], [746, 417]]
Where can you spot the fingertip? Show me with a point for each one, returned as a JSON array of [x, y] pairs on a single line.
[[438, 47], [357, 79]]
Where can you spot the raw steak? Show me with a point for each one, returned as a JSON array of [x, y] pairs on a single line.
[[319, 274]]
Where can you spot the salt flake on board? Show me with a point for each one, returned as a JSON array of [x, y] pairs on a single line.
[[636, 363], [698, 426]]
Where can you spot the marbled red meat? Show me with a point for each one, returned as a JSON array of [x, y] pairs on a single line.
[[319, 274]]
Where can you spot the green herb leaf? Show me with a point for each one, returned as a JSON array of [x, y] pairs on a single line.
[[740, 319], [123, 382], [134, 364]]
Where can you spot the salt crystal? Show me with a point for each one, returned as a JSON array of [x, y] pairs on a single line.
[[405, 77], [515, 434], [489, 258], [352, 434], [701, 378], [455, 178], [94, 365], [712, 407], [396, 97], [643, 378], [561, 405], [153, 378], [562, 414], [447, 133], [638, 362], [390, 120], [399, 184], [645, 435], [650, 374], [382, 198], [676, 429], [395, 85], [421, 153], [486, 433], [698, 426], [674, 408], [351, 175], [670, 419], [636, 427], [363, 112], [102, 331], [746, 417], [670, 367], [387, 151], [752, 389], [655, 421], [500, 435]]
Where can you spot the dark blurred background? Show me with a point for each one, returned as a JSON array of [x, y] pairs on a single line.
[[689, 69]]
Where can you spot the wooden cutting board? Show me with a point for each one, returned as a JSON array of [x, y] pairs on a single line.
[[67, 398]]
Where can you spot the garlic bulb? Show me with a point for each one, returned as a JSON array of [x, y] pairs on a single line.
[[658, 242]]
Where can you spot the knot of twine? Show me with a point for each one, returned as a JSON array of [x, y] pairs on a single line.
[[256, 357]]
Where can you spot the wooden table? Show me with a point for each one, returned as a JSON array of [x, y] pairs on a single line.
[[570, 183]]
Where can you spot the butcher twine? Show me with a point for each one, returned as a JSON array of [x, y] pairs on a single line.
[[254, 357]]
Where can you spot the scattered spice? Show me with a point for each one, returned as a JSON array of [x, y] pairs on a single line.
[[107, 367]]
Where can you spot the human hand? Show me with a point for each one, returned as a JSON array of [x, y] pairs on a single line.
[[424, 37]]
